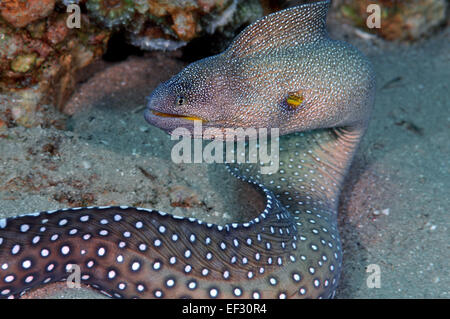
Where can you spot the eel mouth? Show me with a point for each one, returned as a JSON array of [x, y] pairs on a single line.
[[186, 117]]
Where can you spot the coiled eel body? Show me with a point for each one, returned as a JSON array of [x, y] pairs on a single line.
[[292, 248]]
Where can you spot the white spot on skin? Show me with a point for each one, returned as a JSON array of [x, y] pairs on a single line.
[[192, 285], [135, 266], [29, 279], [9, 278], [45, 252], [5, 292], [170, 283], [65, 250], [213, 293], [272, 281], [62, 222], [111, 274], [157, 242], [158, 293], [101, 251], [156, 265], [140, 288], [15, 250], [316, 283], [26, 264]]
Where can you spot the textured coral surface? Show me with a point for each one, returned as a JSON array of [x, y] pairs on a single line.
[[42, 53]]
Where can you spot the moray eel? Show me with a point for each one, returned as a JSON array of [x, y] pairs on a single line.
[[282, 72]]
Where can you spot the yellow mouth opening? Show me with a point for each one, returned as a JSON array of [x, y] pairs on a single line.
[[186, 117]]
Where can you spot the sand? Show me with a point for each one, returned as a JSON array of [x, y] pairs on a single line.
[[394, 207]]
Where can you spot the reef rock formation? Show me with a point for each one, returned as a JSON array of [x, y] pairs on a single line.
[[41, 53]]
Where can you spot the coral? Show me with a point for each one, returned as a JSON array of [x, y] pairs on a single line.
[[38, 66], [23, 63], [246, 13], [111, 13], [184, 25], [141, 6], [150, 43], [224, 25], [40, 55], [405, 20], [190, 19], [19, 13], [224, 18]]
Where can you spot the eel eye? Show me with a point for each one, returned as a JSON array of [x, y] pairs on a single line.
[[181, 100], [294, 99]]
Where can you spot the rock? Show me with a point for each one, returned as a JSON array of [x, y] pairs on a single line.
[[38, 68], [400, 20], [40, 55], [20, 13], [174, 23], [23, 63]]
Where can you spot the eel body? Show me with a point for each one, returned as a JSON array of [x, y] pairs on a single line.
[[291, 249]]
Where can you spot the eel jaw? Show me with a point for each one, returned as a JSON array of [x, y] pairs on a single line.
[[186, 117], [169, 121]]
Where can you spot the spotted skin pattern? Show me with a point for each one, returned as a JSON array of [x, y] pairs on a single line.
[[290, 250]]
